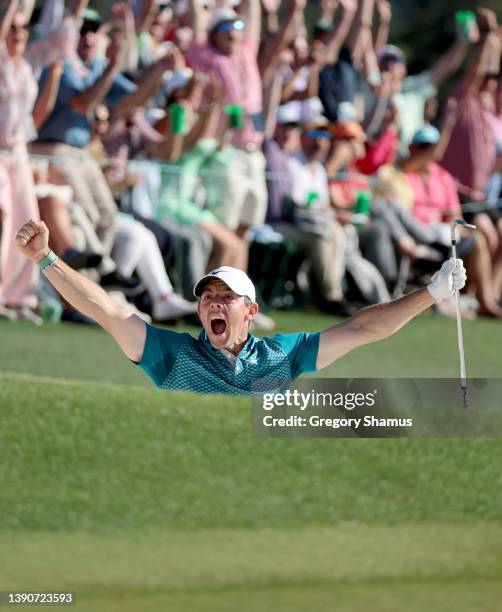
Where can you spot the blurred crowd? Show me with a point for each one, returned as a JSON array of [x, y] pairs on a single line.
[[166, 138]]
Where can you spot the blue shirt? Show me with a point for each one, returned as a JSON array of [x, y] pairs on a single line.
[[182, 362], [64, 124]]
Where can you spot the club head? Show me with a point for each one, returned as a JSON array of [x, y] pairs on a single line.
[[463, 223]]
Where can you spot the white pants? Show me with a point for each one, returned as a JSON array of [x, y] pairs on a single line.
[[136, 248]]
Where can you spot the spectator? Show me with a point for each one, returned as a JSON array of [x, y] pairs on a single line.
[[18, 93], [67, 131], [228, 49]]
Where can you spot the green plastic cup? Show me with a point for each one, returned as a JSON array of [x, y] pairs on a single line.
[[465, 21], [177, 118], [235, 114]]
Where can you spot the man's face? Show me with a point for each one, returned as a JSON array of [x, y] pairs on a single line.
[[225, 316], [287, 136], [316, 143], [227, 36], [88, 42]]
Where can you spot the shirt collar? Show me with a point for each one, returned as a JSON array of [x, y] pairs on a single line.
[[245, 351]]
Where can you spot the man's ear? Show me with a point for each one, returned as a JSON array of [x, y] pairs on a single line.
[[253, 311]]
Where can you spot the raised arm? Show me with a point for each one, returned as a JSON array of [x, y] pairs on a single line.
[[483, 58], [251, 11], [127, 329], [382, 320], [148, 83], [6, 19], [47, 98], [339, 33], [77, 8], [449, 62], [144, 15], [268, 57], [361, 31], [84, 102], [384, 12], [435, 153], [198, 21]]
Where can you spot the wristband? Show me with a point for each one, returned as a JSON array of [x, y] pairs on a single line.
[[48, 261]]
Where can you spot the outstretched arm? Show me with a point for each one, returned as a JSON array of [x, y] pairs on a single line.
[[6, 19], [382, 320], [127, 329]]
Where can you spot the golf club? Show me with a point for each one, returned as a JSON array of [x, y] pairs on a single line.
[[463, 376]]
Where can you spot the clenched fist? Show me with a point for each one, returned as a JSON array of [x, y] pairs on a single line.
[[33, 240]]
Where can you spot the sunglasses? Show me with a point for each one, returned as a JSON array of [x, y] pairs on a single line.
[[319, 134], [226, 26]]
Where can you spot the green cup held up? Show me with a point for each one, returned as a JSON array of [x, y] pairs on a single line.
[[465, 21], [177, 119], [235, 114]]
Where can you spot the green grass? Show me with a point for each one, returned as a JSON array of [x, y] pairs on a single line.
[[142, 500]]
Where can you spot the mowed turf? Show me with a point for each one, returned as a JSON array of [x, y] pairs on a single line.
[[142, 500]]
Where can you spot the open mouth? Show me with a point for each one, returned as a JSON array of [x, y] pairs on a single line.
[[218, 326]]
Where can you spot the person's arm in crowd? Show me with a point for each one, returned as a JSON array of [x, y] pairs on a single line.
[[7, 18], [251, 11], [48, 96], [316, 61], [198, 21], [272, 90], [147, 84], [145, 15], [382, 320], [121, 17], [77, 7], [171, 147], [384, 11], [486, 53], [84, 102], [269, 54], [127, 329], [339, 33], [28, 6], [435, 153], [449, 62], [207, 125], [361, 31]]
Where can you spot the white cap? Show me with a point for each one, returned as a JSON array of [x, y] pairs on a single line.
[[179, 78], [221, 14], [289, 113], [235, 279]]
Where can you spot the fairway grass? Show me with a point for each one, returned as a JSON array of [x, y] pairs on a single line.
[[140, 500]]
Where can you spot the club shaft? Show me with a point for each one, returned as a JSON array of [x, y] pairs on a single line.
[[460, 335]]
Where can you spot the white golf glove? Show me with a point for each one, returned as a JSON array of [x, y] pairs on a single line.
[[447, 280]]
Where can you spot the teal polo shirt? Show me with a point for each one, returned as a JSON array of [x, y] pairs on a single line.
[[181, 362]]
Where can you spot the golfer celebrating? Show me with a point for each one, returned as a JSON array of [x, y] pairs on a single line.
[[226, 358]]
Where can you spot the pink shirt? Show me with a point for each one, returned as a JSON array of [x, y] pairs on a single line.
[[470, 155], [241, 79], [435, 193]]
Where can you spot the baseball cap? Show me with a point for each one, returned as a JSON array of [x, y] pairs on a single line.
[[178, 79], [235, 279], [427, 134], [221, 14], [289, 113], [391, 52], [348, 130], [92, 16]]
